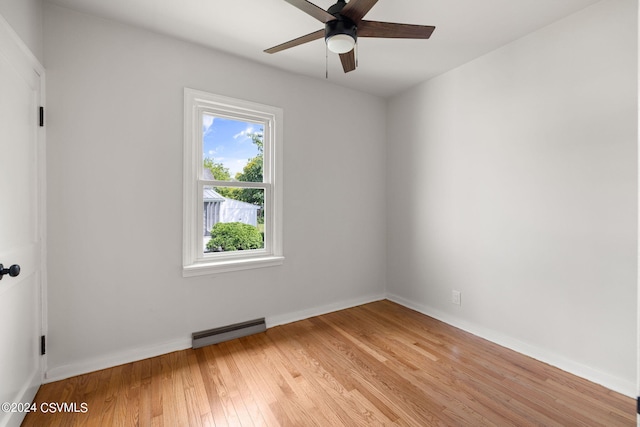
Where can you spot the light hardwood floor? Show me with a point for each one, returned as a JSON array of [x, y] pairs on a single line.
[[377, 364]]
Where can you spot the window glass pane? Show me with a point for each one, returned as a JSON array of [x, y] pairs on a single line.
[[232, 149], [233, 219]]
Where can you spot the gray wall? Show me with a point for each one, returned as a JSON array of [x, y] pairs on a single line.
[[25, 17], [115, 139], [513, 179]]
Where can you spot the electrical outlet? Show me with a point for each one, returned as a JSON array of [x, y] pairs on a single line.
[[455, 297]]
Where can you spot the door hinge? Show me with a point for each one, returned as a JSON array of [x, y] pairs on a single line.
[[41, 116], [43, 345]]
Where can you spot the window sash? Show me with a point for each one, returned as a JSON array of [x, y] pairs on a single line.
[[268, 220]]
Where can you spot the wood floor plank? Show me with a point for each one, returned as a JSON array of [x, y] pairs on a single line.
[[376, 364], [256, 391], [215, 393], [199, 399], [156, 389], [235, 384], [300, 409], [325, 388]]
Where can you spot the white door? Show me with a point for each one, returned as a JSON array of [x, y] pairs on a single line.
[[21, 221]]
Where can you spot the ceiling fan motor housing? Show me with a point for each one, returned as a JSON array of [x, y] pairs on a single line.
[[340, 26]]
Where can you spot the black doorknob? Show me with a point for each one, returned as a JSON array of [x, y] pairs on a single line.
[[12, 271]]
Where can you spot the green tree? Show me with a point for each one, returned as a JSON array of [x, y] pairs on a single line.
[[252, 172], [218, 170], [219, 173]]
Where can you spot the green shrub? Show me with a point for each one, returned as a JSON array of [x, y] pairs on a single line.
[[234, 236]]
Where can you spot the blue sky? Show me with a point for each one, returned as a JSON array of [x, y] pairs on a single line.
[[227, 141]]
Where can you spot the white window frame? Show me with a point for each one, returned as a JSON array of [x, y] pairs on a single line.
[[195, 262]]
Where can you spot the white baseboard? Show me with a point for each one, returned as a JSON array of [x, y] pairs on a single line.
[[26, 394], [620, 385], [317, 311], [135, 354], [115, 359]]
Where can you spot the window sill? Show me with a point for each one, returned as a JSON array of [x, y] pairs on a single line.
[[225, 266]]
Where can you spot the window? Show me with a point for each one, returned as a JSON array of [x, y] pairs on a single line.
[[232, 184]]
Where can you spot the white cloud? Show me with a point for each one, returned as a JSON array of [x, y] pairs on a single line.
[[207, 121], [244, 134], [216, 151]]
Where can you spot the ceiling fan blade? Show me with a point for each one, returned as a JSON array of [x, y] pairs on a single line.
[[394, 31], [296, 42], [356, 9], [348, 61], [313, 10]]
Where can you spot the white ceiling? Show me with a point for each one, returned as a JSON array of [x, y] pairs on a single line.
[[465, 29]]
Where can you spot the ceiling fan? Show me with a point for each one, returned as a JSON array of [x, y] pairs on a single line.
[[343, 24]]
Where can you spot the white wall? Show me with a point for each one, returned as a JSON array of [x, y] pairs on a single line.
[[114, 130], [513, 180], [25, 17]]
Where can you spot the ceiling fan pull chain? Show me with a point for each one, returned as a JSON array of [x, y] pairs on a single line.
[[326, 61], [357, 54]]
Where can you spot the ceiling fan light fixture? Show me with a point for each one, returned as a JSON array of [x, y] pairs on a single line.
[[340, 43], [340, 35]]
